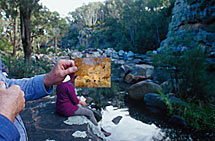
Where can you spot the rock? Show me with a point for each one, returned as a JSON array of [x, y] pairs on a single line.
[[136, 61], [100, 51], [121, 62], [194, 19], [161, 75], [178, 122], [80, 134], [121, 53], [140, 56], [167, 87], [173, 99], [96, 54], [155, 101], [63, 57], [142, 70], [115, 55], [117, 119], [109, 52], [76, 54], [80, 120], [130, 54], [37, 115], [125, 68], [89, 100], [139, 71], [131, 79], [138, 90]]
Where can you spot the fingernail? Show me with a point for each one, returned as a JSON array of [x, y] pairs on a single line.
[[75, 68]]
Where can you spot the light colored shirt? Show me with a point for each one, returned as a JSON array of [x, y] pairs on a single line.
[[34, 89]]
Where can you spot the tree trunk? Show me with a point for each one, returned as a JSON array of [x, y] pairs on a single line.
[[25, 18], [158, 35], [15, 36], [55, 44]]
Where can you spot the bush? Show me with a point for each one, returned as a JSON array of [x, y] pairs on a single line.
[[189, 70], [5, 45], [199, 117], [17, 67]]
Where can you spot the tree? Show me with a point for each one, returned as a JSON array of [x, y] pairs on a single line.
[[10, 8], [88, 15], [27, 7]]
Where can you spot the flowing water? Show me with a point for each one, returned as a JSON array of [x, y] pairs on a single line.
[[136, 122]]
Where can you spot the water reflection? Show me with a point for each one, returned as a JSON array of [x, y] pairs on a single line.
[[128, 128]]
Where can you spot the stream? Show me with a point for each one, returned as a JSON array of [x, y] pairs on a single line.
[[135, 122]]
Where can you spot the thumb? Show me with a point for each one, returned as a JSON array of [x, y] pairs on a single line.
[[2, 85], [70, 70]]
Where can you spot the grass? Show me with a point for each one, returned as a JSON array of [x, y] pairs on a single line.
[[197, 116]]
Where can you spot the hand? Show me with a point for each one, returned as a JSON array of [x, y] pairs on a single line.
[[12, 101], [59, 72], [83, 103]]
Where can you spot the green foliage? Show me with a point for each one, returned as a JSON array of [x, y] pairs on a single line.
[[5, 45], [189, 70], [200, 117], [167, 102], [17, 67], [126, 25]]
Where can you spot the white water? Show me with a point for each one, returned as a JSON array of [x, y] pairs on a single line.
[[128, 129]]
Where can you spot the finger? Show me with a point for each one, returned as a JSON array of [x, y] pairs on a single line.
[[70, 70], [67, 63], [2, 85], [16, 87], [23, 95]]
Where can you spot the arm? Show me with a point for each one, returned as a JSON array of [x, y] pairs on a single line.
[[34, 88], [72, 95], [11, 102], [8, 130], [41, 85]]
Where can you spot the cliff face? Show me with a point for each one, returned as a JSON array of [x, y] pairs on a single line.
[[193, 18]]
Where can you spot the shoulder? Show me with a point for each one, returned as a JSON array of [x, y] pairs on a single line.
[[65, 85]]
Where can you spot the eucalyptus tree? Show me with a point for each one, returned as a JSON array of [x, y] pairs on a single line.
[[88, 15], [11, 10], [27, 8]]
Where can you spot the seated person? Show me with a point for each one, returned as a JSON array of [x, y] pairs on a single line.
[[67, 104]]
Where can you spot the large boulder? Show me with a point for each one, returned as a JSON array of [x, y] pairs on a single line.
[[130, 54], [138, 90], [178, 122], [138, 71], [143, 70], [153, 100], [131, 79]]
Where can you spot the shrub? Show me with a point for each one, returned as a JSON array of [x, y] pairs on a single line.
[[199, 117], [189, 70], [5, 45], [18, 68]]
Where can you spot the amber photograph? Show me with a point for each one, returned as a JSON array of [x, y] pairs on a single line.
[[93, 72]]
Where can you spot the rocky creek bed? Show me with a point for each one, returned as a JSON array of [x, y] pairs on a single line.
[[131, 109]]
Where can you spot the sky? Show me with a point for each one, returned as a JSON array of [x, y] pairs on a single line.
[[65, 6]]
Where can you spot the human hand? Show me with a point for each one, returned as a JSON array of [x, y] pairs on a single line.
[[59, 72], [12, 101], [83, 103]]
